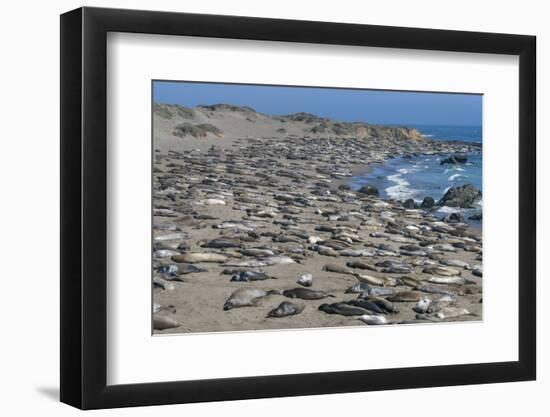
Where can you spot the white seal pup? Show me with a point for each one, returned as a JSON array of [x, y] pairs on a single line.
[[422, 305], [306, 280], [453, 312], [457, 280], [373, 319], [197, 257]]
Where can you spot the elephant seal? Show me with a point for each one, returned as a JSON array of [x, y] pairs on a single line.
[[409, 281], [232, 271], [247, 297], [197, 257], [221, 243], [258, 252], [278, 260], [306, 280], [162, 322], [453, 312], [394, 267], [456, 280], [440, 303], [306, 294], [380, 281], [455, 262], [342, 309], [477, 270], [361, 265], [441, 289], [164, 253], [374, 291], [422, 305], [250, 263], [248, 276], [367, 305], [358, 288], [383, 304], [287, 308], [405, 297], [441, 271], [184, 269], [157, 308], [337, 269], [326, 251], [373, 319], [168, 272]]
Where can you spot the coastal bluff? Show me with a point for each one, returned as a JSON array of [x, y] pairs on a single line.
[[175, 123]]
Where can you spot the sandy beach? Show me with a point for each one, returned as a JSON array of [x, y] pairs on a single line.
[[276, 201]]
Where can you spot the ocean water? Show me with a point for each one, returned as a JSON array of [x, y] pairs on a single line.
[[465, 133], [422, 176]]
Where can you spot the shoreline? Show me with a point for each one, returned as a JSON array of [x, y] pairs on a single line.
[[360, 177]]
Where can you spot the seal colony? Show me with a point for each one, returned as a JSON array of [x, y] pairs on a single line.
[[255, 226]]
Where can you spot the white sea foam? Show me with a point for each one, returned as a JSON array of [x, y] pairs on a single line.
[[454, 177], [454, 168], [400, 190], [448, 210]]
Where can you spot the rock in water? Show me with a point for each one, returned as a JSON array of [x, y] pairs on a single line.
[[427, 203], [462, 197], [368, 190], [409, 204], [458, 158]]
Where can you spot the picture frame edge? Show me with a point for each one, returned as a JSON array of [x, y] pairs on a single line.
[[83, 232]]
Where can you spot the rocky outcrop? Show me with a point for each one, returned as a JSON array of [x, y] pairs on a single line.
[[427, 203], [463, 197], [458, 158], [410, 204]]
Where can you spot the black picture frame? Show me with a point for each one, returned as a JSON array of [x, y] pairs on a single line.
[[84, 207]]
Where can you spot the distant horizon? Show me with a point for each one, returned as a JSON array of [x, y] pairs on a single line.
[[378, 107]]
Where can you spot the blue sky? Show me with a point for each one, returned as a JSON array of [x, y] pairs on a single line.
[[371, 106]]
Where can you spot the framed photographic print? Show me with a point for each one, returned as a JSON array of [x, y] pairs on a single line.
[[289, 205]]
